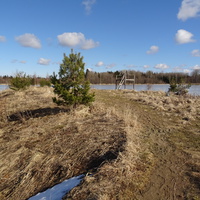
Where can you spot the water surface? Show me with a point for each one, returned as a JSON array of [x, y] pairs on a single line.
[[194, 89]]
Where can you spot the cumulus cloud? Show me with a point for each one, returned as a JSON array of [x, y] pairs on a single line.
[[99, 64], [89, 44], [196, 53], [88, 5], [161, 66], [183, 36], [2, 38], [110, 66], [180, 69], [189, 9], [196, 67], [28, 40], [76, 40], [153, 50], [43, 61], [186, 71]]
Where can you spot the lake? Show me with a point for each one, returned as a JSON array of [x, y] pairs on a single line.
[[194, 89], [3, 87]]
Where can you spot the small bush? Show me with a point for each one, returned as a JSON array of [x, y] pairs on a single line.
[[179, 88], [20, 82], [45, 82]]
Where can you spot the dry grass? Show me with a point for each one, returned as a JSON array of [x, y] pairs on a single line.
[[187, 107], [22, 102], [121, 178], [41, 144]]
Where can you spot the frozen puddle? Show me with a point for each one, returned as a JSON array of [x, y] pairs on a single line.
[[59, 190]]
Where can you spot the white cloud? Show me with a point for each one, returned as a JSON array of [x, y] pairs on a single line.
[[186, 71], [180, 69], [2, 38], [99, 64], [161, 66], [146, 66], [189, 9], [43, 61], [18, 61], [183, 36], [110, 66], [153, 50], [89, 44], [88, 5], [76, 39], [196, 53], [70, 39], [196, 67], [28, 40]]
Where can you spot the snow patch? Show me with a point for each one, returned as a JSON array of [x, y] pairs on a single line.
[[59, 190]]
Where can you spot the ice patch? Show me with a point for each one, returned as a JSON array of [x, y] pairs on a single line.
[[59, 190]]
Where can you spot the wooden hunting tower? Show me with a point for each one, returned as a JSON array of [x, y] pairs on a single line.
[[122, 79]]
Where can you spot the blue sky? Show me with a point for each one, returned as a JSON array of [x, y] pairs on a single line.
[[141, 35]]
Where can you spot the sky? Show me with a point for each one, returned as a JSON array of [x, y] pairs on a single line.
[[111, 35]]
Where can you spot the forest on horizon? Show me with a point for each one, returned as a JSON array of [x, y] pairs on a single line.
[[109, 77]]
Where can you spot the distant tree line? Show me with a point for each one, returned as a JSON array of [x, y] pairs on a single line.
[[34, 80], [148, 77], [109, 77]]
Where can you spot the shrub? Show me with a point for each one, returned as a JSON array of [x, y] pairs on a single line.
[[20, 82], [45, 82], [179, 88]]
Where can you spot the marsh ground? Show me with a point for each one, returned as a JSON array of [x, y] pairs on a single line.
[[134, 145]]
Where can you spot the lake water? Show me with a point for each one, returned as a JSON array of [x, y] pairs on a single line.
[[194, 89], [3, 87]]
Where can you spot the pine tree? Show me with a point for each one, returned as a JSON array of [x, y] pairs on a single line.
[[71, 86], [20, 82]]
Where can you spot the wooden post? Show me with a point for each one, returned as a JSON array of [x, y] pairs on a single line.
[[134, 83], [125, 74]]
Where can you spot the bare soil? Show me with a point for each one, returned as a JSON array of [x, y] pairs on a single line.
[[130, 145]]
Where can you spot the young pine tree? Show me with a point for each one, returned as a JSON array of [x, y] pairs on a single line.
[[20, 82], [70, 85]]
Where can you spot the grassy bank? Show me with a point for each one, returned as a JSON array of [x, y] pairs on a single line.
[[118, 142]]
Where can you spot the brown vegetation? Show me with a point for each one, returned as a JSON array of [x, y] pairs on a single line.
[[131, 145]]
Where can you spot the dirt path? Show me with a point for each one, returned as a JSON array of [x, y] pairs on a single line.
[[168, 180]]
